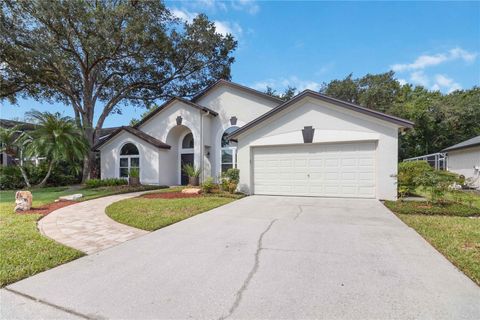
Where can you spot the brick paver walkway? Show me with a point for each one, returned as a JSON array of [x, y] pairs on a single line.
[[86, 227]]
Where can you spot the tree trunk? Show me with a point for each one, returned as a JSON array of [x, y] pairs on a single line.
[[25, 177], [49, 172], [89, 159], [22, 171]]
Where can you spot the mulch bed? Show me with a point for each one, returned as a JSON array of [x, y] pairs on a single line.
[[46, 209], [169, 195]]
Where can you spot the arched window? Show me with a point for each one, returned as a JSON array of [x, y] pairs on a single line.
[[187, 142], [129, 159], [229, 150]]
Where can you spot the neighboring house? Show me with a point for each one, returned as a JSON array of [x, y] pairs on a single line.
[[464, 158], [312, 145], [5, 159]]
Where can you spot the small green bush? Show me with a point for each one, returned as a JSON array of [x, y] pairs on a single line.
[[436, 183], [11, 178], [407, 176], [134, 173], [191, 171], [229, 180], [96, 183], [425, 208], [208, 185]]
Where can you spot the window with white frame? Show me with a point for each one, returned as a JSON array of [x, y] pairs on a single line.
[[129, 159], [229, 151]]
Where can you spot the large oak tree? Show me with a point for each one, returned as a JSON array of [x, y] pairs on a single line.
[[99, 56]]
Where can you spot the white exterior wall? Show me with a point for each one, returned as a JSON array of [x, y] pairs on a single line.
[[229, 102], [150, 158], [463, 162], [331, 124], [160, 125]]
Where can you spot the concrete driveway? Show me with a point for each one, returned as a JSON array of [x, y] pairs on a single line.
[[259, 257]]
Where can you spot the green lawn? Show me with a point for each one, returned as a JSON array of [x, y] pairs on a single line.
[[153, 214], [452, 229], [23, 250]]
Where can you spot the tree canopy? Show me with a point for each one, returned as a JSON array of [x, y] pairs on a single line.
[[110, 54], [441, 120]]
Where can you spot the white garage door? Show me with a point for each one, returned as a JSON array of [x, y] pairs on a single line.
[[328, 170]]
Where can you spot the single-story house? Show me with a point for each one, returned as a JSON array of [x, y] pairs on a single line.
[[311, 145], [464, 158]]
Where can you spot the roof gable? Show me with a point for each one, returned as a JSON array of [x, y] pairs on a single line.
[[168, 103], [234, 85], [315, 95], [140, 134]]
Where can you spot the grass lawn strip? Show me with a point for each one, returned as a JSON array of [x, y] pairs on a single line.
[[456, 234], [23, 250], [152, 214]]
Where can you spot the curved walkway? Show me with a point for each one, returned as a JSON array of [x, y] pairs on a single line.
[[85, 226]]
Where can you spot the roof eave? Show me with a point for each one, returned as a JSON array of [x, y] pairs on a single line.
[[402, 123]]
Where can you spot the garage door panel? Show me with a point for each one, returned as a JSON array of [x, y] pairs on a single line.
[[332, 170]]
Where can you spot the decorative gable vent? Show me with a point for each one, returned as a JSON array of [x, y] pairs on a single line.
[[307, 133], [233, 121]]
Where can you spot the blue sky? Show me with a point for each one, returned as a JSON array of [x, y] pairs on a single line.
[[303, 44]]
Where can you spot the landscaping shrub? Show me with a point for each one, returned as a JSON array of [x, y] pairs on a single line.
[[436, 183], [407, 176], [208, 185], [229, 180], [425, 208], [11, 178], [96, 183]]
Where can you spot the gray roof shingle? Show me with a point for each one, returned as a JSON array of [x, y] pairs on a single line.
[[475, 141]]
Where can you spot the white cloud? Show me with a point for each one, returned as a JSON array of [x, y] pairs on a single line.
[[418, 77], [439, 82], [425, 61], [402, 81], [222, 27], [225, 27], [444, 82], [282, 83], [183, 14], [249, 6]]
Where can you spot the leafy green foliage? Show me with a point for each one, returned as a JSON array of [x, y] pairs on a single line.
[[191, 171], [288, 94], [61, 175], [436, 183], [440, 120], [208, 185], [95, 183], [11, 178], [421, 207], [113, 53], [134, 173], [56, 138], [407, 176], [229, 180]]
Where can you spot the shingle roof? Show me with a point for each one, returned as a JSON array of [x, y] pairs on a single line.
[[319, 96], [475, 141], [140, 134], [6, 123]]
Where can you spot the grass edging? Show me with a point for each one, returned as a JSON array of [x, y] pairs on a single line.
[[455, 236]]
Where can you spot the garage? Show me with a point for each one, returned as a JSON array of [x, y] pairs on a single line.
[[314, 145], [319, 169]]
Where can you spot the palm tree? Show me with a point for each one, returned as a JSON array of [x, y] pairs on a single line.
[[12, 140], [57, 138]]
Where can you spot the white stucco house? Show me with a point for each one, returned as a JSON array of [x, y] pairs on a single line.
[[464, 158], [312, 145]]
